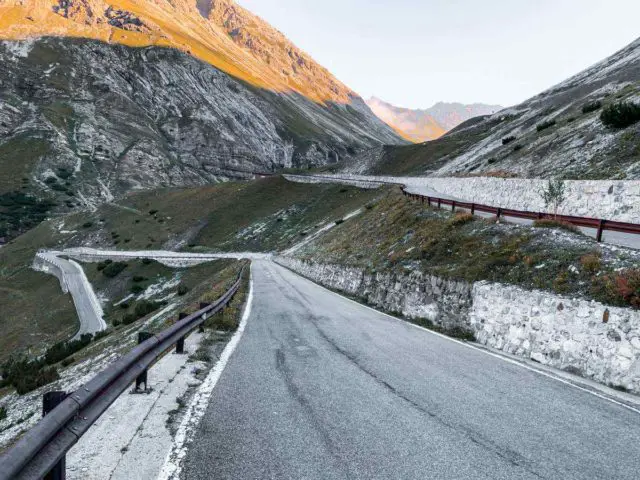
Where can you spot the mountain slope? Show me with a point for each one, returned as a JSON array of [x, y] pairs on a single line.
[[216, 94], [423, 125], [551, 134], [218, 32]]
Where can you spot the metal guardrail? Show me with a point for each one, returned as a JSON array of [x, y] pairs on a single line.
[[598, 224], [42, 449]]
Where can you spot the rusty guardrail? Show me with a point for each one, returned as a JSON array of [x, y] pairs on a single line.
[[598, 224], [41, 451]]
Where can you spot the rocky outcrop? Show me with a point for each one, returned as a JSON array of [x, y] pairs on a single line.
[[90, 121]]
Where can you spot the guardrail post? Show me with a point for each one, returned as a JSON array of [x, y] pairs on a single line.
[[429, 201], [453, 206], [180, 342], [439, 203], [51, 400], [473, 209], [422, 199], [499, 213], [600, 230], [142, 378], [203, 305]]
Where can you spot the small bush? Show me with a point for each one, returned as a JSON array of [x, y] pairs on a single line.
[[591, 106], [138, 279], [571, 119], [153, 212], [591, 263], [517, 148], [147, 261], [145, 307], [339, 222], [62, 350], [620, 115], [27, 375], [68, 361], [544, 125], [548, 223], [622, 288], [137, 289], [461, 218], [182, 290], [87, 225], [369, 206], [114, 269], [3, 413], [508, 140]]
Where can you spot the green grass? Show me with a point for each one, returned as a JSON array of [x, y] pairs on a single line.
[[18, 158]]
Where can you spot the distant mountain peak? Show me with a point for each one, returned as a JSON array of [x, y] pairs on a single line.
[[420, 125]]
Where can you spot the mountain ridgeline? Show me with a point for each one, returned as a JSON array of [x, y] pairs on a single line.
[[559, 132], [102, 98]]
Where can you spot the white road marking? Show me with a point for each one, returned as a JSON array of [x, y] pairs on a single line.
[[200, 401]]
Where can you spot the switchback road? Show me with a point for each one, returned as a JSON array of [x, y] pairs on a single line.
[[320, 387]]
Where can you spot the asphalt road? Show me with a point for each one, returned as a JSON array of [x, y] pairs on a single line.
[[322, 388], [84, 298]]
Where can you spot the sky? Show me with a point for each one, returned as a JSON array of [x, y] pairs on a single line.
[[414, 53]]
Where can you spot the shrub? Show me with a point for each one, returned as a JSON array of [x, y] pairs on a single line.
[[517, 148], [153, 212], [591, 106], [460, 218], [62, 350], [620, 115], [591, 263], [27, 375], [137, 289], [622, 288], [571, 119], [147, 261], [182, 290], [139, 279], [492, 160], [544, 125], [87, 225], [549, 223], [145, 307], [339, 222], [3, 413], [554, 194], [68, 361], [508, 140], [114, 269]]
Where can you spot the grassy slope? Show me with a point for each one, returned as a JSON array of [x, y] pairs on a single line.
[[36, 311], [398, 234]]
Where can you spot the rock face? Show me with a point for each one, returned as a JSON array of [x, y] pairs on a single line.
[[423, 125], [582, 337], [88, 121]]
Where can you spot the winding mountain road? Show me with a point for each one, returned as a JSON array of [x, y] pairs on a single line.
[[320, 387]]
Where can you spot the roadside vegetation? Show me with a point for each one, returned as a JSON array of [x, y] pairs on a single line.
[[399, 235]]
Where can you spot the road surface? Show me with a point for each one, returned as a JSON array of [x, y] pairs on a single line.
[[322, 388], [74, 281]]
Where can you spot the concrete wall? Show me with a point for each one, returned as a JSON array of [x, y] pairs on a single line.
[[580, 336]]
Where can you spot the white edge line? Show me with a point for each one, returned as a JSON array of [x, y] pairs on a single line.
[[476, 348], [172, 466]]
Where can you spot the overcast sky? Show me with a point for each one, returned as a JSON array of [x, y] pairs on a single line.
[[414, 53]]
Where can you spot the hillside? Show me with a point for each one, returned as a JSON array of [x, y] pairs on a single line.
[[558, 132], [422, 125], [100, 106]]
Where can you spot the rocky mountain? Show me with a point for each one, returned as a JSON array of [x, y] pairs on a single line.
[[556, 133], [99, 98], [422, 125]]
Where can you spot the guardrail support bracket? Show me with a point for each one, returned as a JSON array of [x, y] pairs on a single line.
[[180, 342], [142, 378], [600, 230], [51, 400]]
